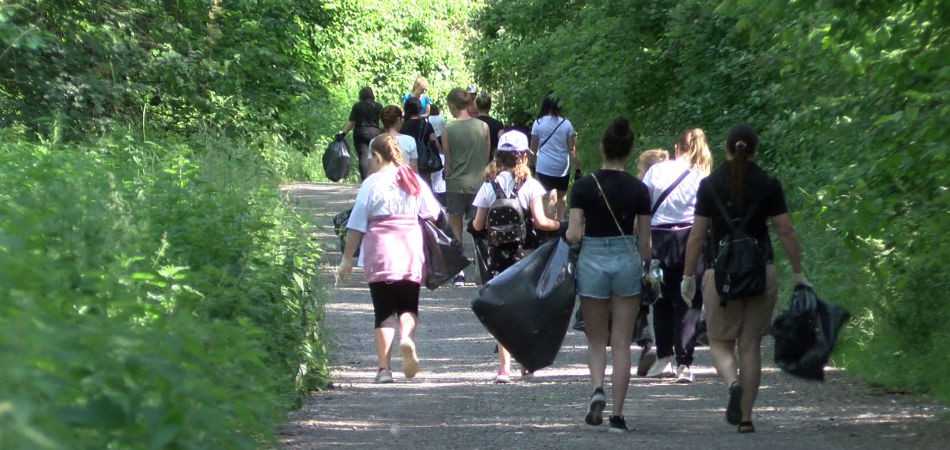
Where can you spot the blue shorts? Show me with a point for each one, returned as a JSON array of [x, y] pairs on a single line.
[[607, 267]]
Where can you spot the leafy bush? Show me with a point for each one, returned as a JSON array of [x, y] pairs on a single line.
[[156, 295], [850, 101]]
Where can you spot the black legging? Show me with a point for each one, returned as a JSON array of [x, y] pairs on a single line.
[[674, 322], [361, 138]]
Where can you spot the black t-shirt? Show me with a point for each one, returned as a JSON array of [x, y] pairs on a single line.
[[411, 128], [494, 126], [758, 184], [628, 198], [366, 114]]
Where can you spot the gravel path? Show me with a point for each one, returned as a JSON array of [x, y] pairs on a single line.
[[452, 404]]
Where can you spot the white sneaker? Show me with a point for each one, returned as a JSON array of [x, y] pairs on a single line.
[[384, 376], [663, 368], [684, 375]]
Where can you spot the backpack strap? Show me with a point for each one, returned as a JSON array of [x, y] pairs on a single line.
[[668, 191], [499, 192]]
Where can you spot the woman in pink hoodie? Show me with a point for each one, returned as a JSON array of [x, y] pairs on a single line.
[[386, 217]]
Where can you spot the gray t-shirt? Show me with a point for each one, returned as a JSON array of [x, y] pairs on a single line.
[[554, 160]]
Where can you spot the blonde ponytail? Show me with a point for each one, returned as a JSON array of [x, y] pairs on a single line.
[[692, 145]]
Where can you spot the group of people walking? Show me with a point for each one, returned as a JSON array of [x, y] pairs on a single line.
[[621, 222]]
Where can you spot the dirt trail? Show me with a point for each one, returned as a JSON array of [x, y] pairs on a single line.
[[452, 404]]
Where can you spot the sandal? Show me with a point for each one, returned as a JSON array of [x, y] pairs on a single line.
[[734, 409], [746, 427]]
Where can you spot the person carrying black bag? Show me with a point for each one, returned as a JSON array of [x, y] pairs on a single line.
[[427, 146], [364, 121], [673, 186], [739, 286]]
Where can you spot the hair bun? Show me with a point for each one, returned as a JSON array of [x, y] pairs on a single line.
[[621, 124], [740, 145]]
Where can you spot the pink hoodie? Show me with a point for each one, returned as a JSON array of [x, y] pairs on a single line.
[[392, 249]]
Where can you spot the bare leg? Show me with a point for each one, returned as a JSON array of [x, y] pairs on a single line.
[[624, 319], [384, 336], [504, 359], [456, 223], [407, 325], [595, 325], [561, 205], [723, 358], [550, 205], [750, 372]]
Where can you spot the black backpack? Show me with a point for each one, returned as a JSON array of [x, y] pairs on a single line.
[[506, 223], [739, 266]]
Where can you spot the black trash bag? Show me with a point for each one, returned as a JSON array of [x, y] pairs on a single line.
[[339, 227], [336, 160], [444, 255], [805, 334], [528, 307], [480, 242]]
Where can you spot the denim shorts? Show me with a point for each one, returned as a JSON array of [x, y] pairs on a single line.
[[607, 267]]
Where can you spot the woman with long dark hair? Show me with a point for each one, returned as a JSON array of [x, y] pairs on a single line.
[[552, 140], [740, 189], [364, 121]]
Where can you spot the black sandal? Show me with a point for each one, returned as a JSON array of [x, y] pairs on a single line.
[[734, 409], [746, 427]]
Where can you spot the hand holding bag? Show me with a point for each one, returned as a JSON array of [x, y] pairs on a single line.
[[444, 255]]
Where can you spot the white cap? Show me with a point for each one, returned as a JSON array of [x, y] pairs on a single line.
[[472, 89], [513, 141]]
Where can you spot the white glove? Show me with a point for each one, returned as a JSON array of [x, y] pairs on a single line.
[[800, 280], [688, 288]]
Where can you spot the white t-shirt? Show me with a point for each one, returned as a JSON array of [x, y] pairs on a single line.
[[438, 124], [438, 179], [680, 206], [554, 160], [406, 143], [380, 196], [530, 190]]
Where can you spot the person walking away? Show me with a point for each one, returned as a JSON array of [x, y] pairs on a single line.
[[465, 144], [419, 89], [472, 92], [414, 125], [552, 140], [438, 180], [737, 195], [673, 186], [604, 206], [642, 333], [508, 177], [391, 118], [495, 126], [386, 216], [364, 121]]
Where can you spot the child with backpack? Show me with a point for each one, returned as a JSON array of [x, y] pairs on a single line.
[[509, 204]]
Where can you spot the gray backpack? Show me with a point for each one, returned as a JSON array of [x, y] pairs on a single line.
[[506, 222]]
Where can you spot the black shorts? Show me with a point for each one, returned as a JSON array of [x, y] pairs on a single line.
[[394, 299], [554, 183]]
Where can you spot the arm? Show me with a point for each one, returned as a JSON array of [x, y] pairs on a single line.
[[425, 114], [346, 265], [575, 227], [695, 244], [533, 146], [786, 235], [541, 220], [414, 164], [487, 140], [348, 127], [573, 151], [481, 219], [447, 153], [644, 237]]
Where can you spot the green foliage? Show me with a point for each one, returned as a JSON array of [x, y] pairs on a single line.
[[156, 295], [851, 103]]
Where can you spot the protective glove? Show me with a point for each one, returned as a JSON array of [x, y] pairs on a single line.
[[800, 280], [470, 227], [562, 229], [340, 136], [578, 174], [688, 288]]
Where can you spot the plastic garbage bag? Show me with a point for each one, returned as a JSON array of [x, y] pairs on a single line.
[[444, 255], [652, 284], [336, 160], [805, 334], [339, 227], [528, 307], [480, 242]]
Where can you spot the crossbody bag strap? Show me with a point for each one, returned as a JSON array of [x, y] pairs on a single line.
[[611, 211], [668, 191], [551, 135]]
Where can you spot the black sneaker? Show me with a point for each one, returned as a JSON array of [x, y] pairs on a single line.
[[617, 425], [595, 407], [460, 280]]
